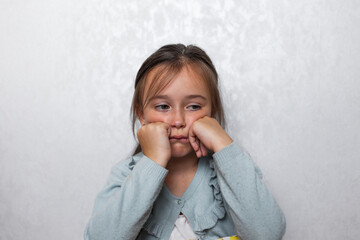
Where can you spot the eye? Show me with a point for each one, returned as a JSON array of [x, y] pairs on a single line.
[[194, 107], [162, 107]]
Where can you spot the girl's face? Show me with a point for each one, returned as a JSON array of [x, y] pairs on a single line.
[[183, 101]]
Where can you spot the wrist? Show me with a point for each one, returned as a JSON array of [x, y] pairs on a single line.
[[222, 144], [160, 160]]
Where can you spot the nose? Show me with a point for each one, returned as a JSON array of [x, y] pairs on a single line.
[[178, 119]]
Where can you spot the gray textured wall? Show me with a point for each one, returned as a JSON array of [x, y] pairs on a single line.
[[290, 78]]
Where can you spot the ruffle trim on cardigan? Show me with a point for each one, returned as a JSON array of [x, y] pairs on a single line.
[[206, 221], [217, 210], [153, 228], [132, 164]]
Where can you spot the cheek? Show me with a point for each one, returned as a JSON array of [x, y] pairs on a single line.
[[160, 119], [151, 116], [192, 118]]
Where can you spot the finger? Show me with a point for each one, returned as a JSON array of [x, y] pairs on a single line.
[[198, 143], [198, 154], [168, 130], [203, 150], [198, 151], [193, 141]]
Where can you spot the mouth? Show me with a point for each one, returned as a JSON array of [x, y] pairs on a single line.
[[179, 138]]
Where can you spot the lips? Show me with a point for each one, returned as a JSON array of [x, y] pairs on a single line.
[[178, 138]]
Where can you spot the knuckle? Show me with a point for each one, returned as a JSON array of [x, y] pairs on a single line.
[[138, 133]]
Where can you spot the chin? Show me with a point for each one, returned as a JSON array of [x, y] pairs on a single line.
[[179, 152]]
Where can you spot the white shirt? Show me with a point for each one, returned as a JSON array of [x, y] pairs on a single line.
[[182, 230]]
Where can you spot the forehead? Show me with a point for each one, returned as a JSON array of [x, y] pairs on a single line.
[[188, 78]]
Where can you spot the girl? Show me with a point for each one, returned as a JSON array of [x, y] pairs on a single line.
[[187, 178]]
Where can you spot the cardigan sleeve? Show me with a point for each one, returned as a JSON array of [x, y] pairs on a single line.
[[253, 209], [124, 205]]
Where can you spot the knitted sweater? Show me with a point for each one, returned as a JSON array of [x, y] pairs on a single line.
[[226, 197]]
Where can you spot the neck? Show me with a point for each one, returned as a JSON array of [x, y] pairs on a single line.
[[182, 164], [181, 173]]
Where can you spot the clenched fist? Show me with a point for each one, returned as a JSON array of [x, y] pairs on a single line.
[[154, 141], [207, 133]]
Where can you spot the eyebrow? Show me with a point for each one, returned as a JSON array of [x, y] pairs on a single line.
[[187, 97]]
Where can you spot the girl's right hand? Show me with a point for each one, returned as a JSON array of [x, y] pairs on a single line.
[[154, 141]]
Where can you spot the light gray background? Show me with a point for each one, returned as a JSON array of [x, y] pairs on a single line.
[[290, 79]]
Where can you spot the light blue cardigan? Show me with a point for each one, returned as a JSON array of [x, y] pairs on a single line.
[[225, 198]]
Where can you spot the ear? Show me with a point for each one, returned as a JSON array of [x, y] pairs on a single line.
[[142, 120], [140, 116]]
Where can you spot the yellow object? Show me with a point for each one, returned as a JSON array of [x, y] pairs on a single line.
[[230, 238], [226, 238]]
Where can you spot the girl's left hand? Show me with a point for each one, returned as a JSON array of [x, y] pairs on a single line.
[[207, 133]]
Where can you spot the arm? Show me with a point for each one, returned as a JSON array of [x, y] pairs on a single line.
[[124, 205], [250, 204], [254, 211]]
